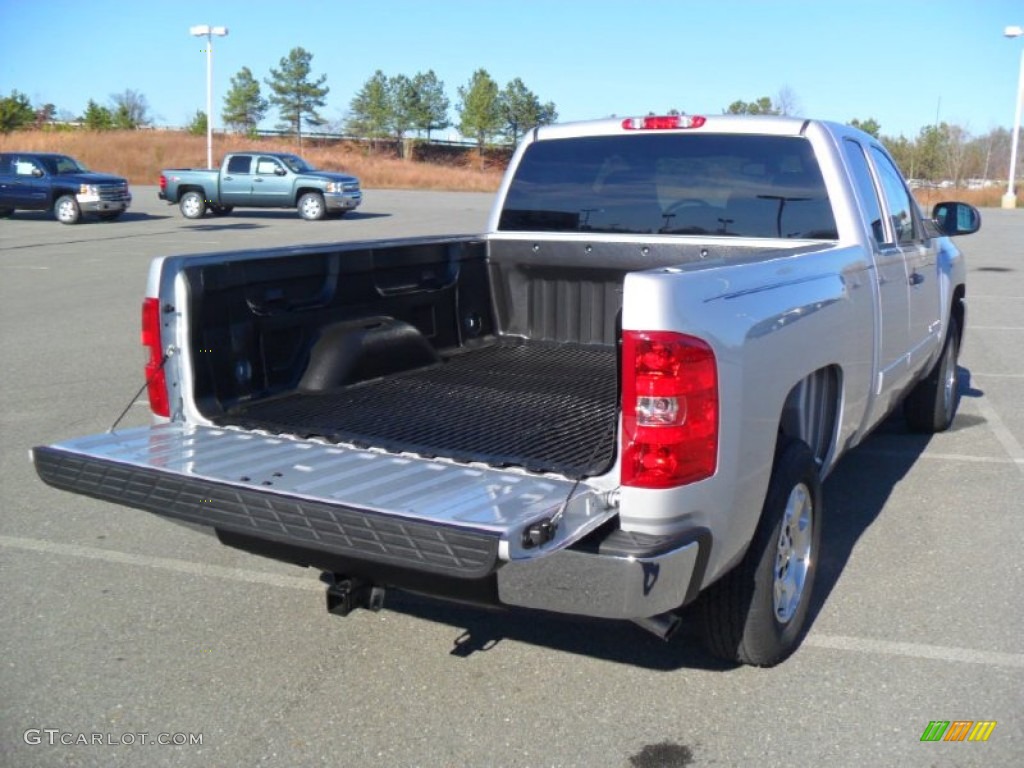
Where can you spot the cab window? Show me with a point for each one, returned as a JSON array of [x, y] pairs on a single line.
[[239, 164], [899, 203], [267, 166]]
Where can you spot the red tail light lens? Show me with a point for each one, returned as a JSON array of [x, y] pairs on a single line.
[[163, 183], [669, 409], [155, 377], [663, 122]]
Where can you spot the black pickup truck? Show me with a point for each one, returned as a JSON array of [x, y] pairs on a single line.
[[38, 181]]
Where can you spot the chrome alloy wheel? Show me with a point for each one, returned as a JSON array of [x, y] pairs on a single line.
[[793, 553], [67, 210]]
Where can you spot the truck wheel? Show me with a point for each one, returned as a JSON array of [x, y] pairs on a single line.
[[192, 205], [931, 405], [221, 210], [312, 207], [66, 210], [755, 614]]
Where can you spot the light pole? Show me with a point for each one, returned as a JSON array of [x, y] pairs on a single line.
[[1010, 199], [205, 30]]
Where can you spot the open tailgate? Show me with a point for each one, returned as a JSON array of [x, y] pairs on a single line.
[[433, 515]]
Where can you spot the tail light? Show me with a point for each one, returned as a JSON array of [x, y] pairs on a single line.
[[663, 122], [669, 409], [163, 183], [156, 379]]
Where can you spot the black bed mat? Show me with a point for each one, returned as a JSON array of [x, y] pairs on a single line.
[[542, 406]]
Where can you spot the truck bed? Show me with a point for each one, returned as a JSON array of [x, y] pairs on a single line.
[[543, 406]]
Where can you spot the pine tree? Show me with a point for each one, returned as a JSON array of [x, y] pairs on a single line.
[[294, 94], [480, 108], [244, 105]]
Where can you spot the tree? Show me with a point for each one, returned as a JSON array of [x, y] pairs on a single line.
[[786, 102], [197, 125], [430, 110], [521, 110], [15, 112], [244, 105], [97, 118], [870, 126], [130, 110], [762, 106], [402, 103], [45, 114], [294, 94], [480, 108], [370, 109]]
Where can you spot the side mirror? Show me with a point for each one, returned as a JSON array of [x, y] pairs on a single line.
[[37, 172], [956, 218], [279, 171]]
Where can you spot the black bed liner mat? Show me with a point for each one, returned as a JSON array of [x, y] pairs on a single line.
[[542, 406]]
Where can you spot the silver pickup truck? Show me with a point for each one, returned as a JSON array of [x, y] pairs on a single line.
[[619, 400]]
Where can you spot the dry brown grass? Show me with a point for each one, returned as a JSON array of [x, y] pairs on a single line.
[[141, 155]]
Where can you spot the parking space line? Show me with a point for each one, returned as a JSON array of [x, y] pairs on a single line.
[[914, 650], [940, 456], [813, 640], [998, 375], [161, 563], [1002, 433]]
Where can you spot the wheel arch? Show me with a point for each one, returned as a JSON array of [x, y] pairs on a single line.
[[303, 190], [811, 413]]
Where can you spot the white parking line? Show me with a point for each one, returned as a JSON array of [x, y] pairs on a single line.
[[813, 640], [914, 650], [913, 455], [998, 375]]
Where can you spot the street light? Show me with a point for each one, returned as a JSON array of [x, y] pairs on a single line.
[[205, 30], [1010, 199]]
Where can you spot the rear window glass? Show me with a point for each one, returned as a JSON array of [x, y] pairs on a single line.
[[677, 184]]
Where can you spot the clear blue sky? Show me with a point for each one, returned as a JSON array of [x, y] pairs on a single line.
[[900, 62]]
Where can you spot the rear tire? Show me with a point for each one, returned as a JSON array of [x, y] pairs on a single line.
[[66, 210], [312, 207], [931, 405], [755, 614], [192, 205]]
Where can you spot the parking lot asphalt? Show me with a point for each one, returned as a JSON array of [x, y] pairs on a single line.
[[117, 623]]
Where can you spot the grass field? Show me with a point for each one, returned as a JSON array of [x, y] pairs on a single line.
[[140, 155]]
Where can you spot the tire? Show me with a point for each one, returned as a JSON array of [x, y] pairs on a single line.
[[112, 216], [931, 404], [755, 614], [221, 210], [66, 210], [312, 207], [192, 205]]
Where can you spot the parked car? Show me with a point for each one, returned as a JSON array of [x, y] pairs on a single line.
[[260, 180], [42, 181]]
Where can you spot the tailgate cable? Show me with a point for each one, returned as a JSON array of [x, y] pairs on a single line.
[[163, 360]]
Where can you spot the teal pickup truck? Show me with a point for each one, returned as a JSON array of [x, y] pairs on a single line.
[[260, 180]]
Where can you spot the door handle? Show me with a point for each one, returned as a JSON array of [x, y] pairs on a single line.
[[258, 179], [229, 178], [916, 278]]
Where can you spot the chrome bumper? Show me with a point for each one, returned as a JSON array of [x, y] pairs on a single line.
[[607, 586], [342, 201]]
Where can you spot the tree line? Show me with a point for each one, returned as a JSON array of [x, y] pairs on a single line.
[[394, 107]]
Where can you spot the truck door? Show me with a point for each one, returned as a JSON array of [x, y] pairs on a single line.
[[892, 333], [272, 184], [236, 181], [920, 254], [29, 183]]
